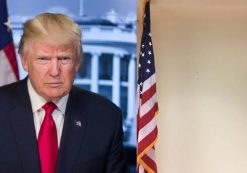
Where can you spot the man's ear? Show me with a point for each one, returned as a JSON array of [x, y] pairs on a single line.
[[24, 63]]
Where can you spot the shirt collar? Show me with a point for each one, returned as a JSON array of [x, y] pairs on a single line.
[[37, 101]]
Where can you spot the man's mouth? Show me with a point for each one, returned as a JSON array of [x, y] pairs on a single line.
[[54, 84]]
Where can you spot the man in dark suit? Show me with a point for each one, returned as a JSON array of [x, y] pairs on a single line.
[[46, 124]]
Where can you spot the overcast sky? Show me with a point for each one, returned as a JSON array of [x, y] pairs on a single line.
[[91, 7]]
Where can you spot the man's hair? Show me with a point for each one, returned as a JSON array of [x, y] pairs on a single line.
[[56, 28]]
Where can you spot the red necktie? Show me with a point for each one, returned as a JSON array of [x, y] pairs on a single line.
[[47, 141]]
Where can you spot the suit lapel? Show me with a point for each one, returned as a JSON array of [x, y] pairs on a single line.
[[21, 117], [74, 127]]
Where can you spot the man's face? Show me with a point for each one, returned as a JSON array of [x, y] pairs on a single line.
[[51, 69]]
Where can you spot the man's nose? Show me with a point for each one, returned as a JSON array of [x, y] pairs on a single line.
[[54, 67]]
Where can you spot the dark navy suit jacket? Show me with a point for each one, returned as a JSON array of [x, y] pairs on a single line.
[[94, 147]]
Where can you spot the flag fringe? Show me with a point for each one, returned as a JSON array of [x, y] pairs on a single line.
[[146, 167], [146, 150]]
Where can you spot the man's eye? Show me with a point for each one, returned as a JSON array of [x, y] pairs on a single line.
[[43, 60], [65, 60]]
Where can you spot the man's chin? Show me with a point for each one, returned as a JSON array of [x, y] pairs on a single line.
[[55, 96]]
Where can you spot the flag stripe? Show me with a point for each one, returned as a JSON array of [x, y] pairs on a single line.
[[147, 129], [10, 52], [141, 169], [151, 153], [148, 116], [146, 95], [150, 160], [149, 83], [6, 73], [144, 145], [150, 167], [145, 108]]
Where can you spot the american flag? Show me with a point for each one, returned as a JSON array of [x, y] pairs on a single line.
[[146, 101], [8, 62]]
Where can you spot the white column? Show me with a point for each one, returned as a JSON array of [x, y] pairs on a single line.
[[131, 115], [95, 72], [116, 80], [131, 88]]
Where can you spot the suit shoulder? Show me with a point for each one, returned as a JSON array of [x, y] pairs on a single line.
[[9, 88], [13, 90]]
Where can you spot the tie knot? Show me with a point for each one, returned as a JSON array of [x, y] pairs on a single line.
[[49, 107]]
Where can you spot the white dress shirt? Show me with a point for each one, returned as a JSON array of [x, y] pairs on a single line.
[[39, 113]]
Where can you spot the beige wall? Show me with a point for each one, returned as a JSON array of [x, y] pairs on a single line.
[[201, 60]]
